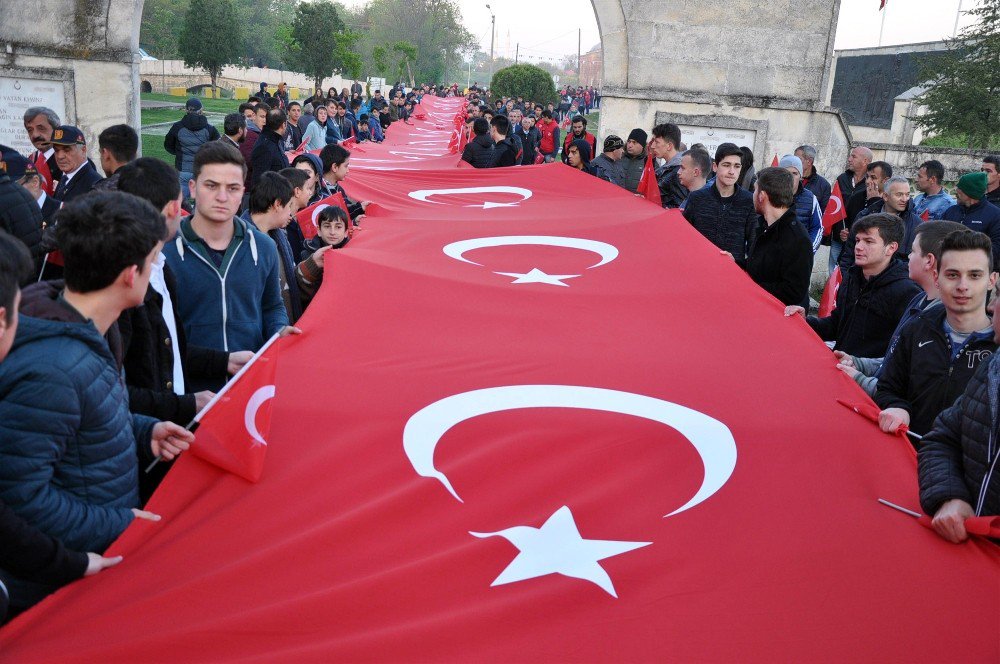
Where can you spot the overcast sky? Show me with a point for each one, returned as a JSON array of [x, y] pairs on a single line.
[[548, 29]]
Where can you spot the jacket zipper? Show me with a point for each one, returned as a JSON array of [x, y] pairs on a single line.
[[222, 282]]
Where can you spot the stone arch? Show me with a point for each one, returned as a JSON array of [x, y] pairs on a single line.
[[77, 46]]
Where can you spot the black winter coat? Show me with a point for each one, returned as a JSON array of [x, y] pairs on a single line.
[[958, 458], [867, 310], [780, 259], [479, 151], [267, 156], [729, 224], [672, 192], [34, 556], [920, 375], [81, 183], [20, 216], [820, 188], [633, 167], [504, 153]]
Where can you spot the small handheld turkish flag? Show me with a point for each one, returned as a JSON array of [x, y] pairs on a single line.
[[349, 143], [306, 218], [834, 212], [828, 302], [648, 186], [774, 162], [233, 427], [926, 216]]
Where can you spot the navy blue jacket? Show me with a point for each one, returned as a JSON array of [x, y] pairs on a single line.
[[267, 156], [69, 447], [983, 217], [820, 188], [729, 224]]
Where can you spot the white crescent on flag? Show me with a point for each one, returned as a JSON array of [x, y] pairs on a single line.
[[711, 438]]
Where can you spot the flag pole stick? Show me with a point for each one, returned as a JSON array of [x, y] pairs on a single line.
[[901, 509], [881, 30], [192, 426], [958, 15]]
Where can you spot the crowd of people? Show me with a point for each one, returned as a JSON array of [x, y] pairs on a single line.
[[127, 300]]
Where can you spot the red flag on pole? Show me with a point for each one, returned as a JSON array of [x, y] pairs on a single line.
[[835, 212], [926, 216], [882, 5], [232, 429], [828, 302], [306, 217], [774, 162], [648, 186]]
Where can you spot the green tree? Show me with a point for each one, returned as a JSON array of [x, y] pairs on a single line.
[[269, 31], [964, 93], [160, 31], [528, 81], [210, 38], [432, 27], [321, 44], [407, 54]]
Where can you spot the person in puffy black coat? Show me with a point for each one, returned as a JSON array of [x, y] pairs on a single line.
[[504, 150], [268, 155], [780, 255], [874, 292], [724, 212], [19, 212], [958, 459], [479, 151]]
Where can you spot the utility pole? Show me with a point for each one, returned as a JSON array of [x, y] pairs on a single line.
[[517, 52], [493, 32], [579, 74]]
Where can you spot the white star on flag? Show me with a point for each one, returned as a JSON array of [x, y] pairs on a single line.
[[536, 276], [558, 548]]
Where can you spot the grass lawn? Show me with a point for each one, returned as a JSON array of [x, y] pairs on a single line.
[[152, 140], [212, 105], [152, 146]]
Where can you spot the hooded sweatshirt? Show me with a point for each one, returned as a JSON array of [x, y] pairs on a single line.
[[185, 137]]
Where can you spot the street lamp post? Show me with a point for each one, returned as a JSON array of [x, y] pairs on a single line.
[[493, 31]]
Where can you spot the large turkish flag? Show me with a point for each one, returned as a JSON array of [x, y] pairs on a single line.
[[559, 428]]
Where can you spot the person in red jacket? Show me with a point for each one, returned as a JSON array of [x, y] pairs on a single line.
[[579, 132], [548, 129]]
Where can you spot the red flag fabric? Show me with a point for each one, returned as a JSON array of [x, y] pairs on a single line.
[[649, 188], [233, 432], [882, 5], [774, 162], [536, 465], [984, 526], [828, 302], [44, 172], [926, 216], [306, 217], [835, 211], [870, 411], [349, 143]]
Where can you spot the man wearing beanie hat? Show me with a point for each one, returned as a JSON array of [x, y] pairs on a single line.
[[185, 137], [634, 159], [806, 206], [975, 212], [608, 165]]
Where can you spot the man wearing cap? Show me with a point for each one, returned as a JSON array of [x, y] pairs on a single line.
[[634, 159], [974, 211], [19, 214], [608, 165], [185, 137], [78, 174], [32, 181], [40, 122], [806, 205]]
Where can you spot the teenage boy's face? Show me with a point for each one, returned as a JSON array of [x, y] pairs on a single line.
[[340, 172], [218, 192], [333, 232], [917, 260], [302, 166], [871, 249], [963, 279], [728, 170]]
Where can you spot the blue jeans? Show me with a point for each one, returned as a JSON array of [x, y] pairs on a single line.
[[184, 177]]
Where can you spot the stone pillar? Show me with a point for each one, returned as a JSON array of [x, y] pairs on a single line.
[[80, 58], [751, 71]]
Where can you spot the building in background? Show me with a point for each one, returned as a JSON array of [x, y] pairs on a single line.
[[592, 67]]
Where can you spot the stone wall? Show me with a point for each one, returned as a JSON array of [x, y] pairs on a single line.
[[906, 159], [88, 46], [165, 74]]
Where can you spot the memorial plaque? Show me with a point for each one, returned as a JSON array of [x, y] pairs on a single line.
[[19, 94], [712, 137]]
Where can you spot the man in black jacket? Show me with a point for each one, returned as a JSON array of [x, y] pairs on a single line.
[[939, 351], [860, 203], [666, 145], [479, 151], [958, 459], [780, 256], [849, 180], [78, 173], [504, 150], [19, 212], [874, 293], [724, 213], [267, 155]]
